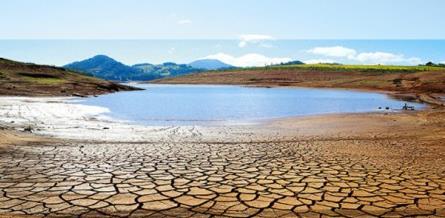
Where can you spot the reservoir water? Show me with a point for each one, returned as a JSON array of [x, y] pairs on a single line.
[[198, 104]]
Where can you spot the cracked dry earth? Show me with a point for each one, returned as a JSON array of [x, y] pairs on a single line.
[[349, 177]]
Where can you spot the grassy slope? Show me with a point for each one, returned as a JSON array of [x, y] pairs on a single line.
[[392, 78], [17, 78]]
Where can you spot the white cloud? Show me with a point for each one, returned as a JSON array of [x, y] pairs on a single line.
[[254, 39], [385, 58], [442, 62], [336, 51], [248, 60], [377, 57], [319, 61], [184, 22]]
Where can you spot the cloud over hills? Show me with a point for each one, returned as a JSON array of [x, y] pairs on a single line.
[[377, 57], [248, 60], [335, 51], [319, 61]]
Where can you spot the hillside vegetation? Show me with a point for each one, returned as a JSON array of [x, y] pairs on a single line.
[[104, 67], [356, 68], [168, 69], [25, 79]]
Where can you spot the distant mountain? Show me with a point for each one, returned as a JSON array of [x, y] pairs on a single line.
[[296, 62], [168, 69], [104, 67], [431, 64], [210, 64]]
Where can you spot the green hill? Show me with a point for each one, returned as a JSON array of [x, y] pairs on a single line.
[[104, 67]]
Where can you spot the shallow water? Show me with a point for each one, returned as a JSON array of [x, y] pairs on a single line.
[[198, 104]]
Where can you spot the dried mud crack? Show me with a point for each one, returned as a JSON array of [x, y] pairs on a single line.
[[269, 179]]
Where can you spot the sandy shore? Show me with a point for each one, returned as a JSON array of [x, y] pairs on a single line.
[[61, 118], [10, 138], [372, 164], [64, 118]]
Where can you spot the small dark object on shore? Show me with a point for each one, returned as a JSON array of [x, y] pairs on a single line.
[[106, 128], [79, 95], [386, 108], [27, 129], [406, 107]]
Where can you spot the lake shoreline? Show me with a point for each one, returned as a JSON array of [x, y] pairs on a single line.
[[416, 84], [104, 123], [100, 128], [306, 123], [313, 165], [63, 117], [431, 99]]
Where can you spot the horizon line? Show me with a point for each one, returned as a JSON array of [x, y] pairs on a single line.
[[228, 39]]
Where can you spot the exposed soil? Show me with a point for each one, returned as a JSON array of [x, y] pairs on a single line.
[[23, 79]]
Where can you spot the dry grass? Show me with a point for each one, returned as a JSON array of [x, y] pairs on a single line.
[[391, 78]]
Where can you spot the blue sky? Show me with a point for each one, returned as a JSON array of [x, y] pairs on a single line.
[[240, 32], [222, 19]]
